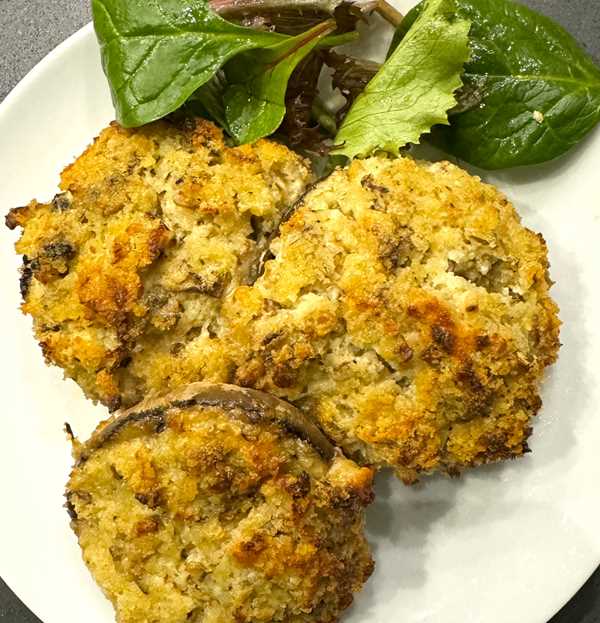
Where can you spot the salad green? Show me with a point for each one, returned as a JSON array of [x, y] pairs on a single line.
[[531, 93], [255, 98], [414, 88], [156, 53], [489, 81]]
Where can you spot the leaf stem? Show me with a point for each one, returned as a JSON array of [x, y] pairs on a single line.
[[389, 13]]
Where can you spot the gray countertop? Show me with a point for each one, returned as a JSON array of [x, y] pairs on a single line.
[[31, 28]]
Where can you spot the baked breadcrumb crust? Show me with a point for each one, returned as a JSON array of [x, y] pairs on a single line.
[[405, 307], [408, 310], [211, 506], [124, 271]]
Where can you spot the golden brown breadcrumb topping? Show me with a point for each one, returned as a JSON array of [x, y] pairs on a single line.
[[125, 270], [405, 306], [407, 309], [208, 507]]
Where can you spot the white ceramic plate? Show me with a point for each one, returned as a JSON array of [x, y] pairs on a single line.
[[505, 544]]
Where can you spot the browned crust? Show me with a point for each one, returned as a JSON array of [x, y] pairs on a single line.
[[406, 307], [264, 253], [154, 224], [152, 416]]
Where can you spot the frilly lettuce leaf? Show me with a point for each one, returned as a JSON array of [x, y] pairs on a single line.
[[414, 88]]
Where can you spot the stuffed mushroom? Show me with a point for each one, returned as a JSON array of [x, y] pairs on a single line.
[[407, 309], [219, 504], [125, 270], [401, 304]]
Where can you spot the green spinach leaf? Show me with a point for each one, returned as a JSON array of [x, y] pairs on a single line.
[[255, 97], [531, 93], [207, 101], [414, 88], [156, 53]]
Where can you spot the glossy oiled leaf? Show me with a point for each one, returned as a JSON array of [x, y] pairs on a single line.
[[156, 53], [531, 93], [255, 98], [414, 88]]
